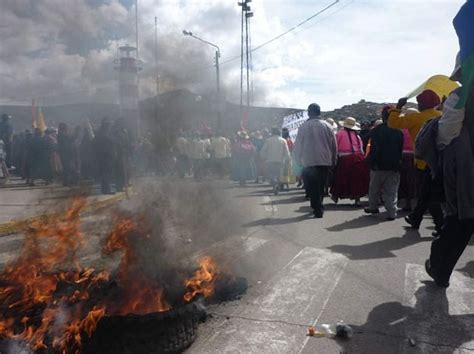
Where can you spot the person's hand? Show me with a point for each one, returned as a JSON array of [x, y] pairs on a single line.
[[402, 102]]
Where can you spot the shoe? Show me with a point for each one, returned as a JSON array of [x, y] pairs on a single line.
[[318, 215], [371, 211], [439, 282], [410, 222], [391, 218]]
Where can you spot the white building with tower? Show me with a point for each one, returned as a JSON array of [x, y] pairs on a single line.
[[128, 68]]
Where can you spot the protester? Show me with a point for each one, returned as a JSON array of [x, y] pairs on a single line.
[[316, 151], [3, 166], [333, 125], [243, 153], [26, 164], [182, 155], [351, 177], [428, 101], [54, 167], [6, 135], [406, 191], [198, 151], [38, 159], [365, 129], [258, 141], [18, 142], [385, 159], [66, 153], [106, 154], [287, 176], [88, 162], [221, 154], [275, 153], [123, 150], [76, 154], [455, 142]]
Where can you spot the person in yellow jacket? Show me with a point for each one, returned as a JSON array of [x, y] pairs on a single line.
[[428, 102]]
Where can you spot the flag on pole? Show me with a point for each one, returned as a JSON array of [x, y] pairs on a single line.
[[33, 114], [441, 84], [464, 25], [41, 124]]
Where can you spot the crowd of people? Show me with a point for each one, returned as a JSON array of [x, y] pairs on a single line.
[[72, 156], [417, 160]]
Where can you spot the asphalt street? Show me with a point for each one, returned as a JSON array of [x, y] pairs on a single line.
[[363, 270]]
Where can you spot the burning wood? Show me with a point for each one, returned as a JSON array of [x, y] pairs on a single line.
[[50, 302]]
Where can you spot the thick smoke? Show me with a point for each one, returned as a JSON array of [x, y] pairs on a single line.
[[183, 221], [62, 51]]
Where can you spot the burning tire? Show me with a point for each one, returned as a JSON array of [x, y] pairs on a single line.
[[165, 332]]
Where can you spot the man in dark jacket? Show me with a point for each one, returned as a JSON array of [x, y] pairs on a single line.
[[385, 159], [105, 150]]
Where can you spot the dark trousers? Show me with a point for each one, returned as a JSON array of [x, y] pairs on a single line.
[[428, 199], [315, 178], [450, 245], [8, 151]]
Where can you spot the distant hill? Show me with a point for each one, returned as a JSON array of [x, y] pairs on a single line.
[[362, 111]]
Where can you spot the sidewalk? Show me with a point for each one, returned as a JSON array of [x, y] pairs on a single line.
[[20, 203]]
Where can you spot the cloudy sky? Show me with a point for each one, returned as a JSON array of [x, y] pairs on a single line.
[[62, 51]]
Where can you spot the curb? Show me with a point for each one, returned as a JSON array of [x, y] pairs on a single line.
[[12, 227]]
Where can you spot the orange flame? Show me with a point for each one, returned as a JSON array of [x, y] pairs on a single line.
[[50, 308], [203, 282]]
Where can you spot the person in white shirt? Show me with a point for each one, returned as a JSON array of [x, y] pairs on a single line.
[[182, 155], [221, 154], [275, 152]]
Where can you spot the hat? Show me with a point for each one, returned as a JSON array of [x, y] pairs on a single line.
[[378, 122], [243, 134], [456, 75], [332, 123], [350, 123], [428, 99]]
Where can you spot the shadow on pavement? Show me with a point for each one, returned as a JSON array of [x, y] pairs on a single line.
[[468, 270], [381, 248], [357, 223], [293, 200], [429, 324], [272, 221]]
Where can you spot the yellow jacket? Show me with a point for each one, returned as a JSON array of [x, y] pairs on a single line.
[[413, 121]]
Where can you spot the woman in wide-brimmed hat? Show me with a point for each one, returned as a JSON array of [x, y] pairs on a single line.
[[351, 178]]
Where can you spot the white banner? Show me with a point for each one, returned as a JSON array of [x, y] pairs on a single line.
[[293, 122]]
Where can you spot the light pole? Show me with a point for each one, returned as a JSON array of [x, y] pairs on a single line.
[[218, 79]]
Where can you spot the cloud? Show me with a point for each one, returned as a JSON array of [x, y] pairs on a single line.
[[63, 50]]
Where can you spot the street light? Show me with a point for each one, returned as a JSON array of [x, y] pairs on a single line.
[[218, 80]]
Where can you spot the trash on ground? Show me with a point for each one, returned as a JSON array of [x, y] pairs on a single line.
[[339, 330]]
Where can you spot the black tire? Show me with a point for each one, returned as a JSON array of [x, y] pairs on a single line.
[[166, 332]]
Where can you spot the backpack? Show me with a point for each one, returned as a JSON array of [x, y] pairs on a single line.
[[425, 144]]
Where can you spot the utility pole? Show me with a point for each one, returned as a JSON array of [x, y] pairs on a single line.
[[246, 15], [218, 85], [157, 75], [138, 75]]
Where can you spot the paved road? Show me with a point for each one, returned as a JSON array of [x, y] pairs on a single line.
[[363, 270]]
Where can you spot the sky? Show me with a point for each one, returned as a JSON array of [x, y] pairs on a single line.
[[62, 51]]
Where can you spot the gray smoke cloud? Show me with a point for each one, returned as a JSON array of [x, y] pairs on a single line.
[[62, 51]]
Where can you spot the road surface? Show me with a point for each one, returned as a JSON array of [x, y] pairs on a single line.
[[349, 267]]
